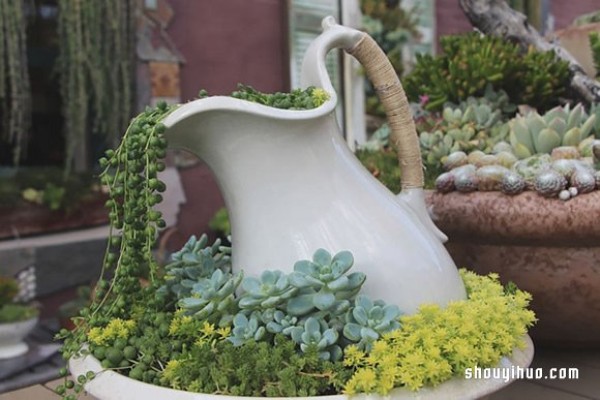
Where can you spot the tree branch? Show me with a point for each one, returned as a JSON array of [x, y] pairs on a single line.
[[495, 17]]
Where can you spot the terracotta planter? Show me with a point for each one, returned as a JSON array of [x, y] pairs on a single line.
[[548, 247]]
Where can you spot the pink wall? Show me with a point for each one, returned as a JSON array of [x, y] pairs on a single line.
[[230, 42], [224, 43]]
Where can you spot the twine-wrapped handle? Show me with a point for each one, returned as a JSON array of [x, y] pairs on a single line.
[[403, 134]]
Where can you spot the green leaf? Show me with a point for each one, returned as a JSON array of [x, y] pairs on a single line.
[[323, 300]]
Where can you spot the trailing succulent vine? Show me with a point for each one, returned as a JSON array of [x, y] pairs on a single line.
[[96, 67], [15, 93], [197, 326]]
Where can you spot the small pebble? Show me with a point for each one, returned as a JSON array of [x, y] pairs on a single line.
[[564, 195], [573, 191]]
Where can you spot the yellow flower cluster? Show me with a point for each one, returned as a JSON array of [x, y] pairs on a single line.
[[435, 344], [203, 331], [319, 96], [170, 374], [116, 328]]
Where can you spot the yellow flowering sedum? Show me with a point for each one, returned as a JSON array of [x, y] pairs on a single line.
[[116, 328], [435, 344], [319, 96]]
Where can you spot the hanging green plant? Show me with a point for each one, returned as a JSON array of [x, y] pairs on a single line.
[[96, 66], [15, 94]]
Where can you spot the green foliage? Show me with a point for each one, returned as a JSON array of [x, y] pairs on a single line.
[[47, 186], [392, 27], [435, 344], [383, 165], [16, 312], [8, 290], [595, 48], [545, 79], [468, 64], [471, 62], [297, 99], [15, 93], [220, 222], [255, 369], [97, 94]]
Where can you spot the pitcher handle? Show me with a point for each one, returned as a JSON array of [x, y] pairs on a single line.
[[403, 133]]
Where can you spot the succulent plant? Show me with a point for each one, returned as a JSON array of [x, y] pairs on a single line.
[[368, 320], [544, 79], [583, 180], [245, 329], [549, 183], [323, 283], [536, 134], [470, 63], [530, 167], [513, 183], [467, 65], [316, 333], [496, 100], [478, 127], [195, 261], [271, 290], [212, 297], [279, 322], [490, 177]]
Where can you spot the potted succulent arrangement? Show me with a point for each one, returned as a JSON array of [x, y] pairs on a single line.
[[16, 320], [514, 191], [288, 310]]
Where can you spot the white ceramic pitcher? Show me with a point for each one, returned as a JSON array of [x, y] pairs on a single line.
[[292, 186]]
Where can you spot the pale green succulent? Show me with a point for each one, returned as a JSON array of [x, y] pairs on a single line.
[[496, 100], [212, 297], [318, 334], [245, 329], [323, 283], [271, 290], [561, 126], [280, 322], [195, 261], [368, 320]]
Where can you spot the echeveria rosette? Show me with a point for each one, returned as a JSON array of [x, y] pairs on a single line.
[[282, 323], [368, 320], [213, 297], [195, 261], [271, 290], [323, 283], [316, 333], [245, 329]]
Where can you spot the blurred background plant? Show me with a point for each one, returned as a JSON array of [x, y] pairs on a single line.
[[393, 28], [471, 62], [9, 310]]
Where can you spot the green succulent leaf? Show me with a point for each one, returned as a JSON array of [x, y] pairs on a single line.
[[323, 300], [572, 137], [547, 140]]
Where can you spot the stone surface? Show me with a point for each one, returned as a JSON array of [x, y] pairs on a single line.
[[548, 247]]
